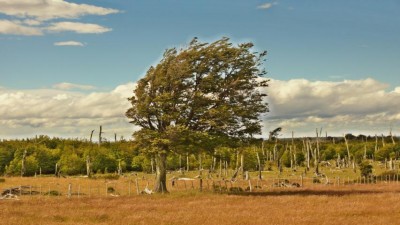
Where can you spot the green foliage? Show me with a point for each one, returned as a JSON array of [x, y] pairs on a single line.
[[141, 163], [329, 153], [365, 168], [286, 159], [72, 164], [47, 158], [31, 166], [300, 158], [172, 102], [103, 160], [6, 156], [384, 152], [108, 176]]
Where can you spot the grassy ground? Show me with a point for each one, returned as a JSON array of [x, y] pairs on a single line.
[[185, 204], [360, 204]]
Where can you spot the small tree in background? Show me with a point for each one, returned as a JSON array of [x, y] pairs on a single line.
[[366, 169]]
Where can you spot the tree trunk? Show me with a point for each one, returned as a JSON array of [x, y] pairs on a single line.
[[242, 163], [347, 147], [100, 133], [318, 158], [187, 162], [161, 173], [259, 165], [308, 156]]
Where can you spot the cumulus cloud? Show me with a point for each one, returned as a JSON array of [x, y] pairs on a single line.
[[81, 28], [73, 110], [37, 17], [71, 86], [64, 112], [50, 9], [15, 28], [347, 106], [69, 43]]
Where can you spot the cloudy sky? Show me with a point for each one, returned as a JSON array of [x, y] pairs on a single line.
[[67, 66]]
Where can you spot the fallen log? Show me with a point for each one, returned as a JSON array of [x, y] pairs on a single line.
[[20, 190]]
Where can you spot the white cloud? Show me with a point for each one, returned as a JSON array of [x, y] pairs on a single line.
[[15, 28], [347, 106], [350, 106], [71, 86], [50, 9], [36, 17], [81, 28], [63, 112], [69, 43], [267, 5]]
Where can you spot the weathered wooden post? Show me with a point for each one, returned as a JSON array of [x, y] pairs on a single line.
[[187, 162], [301, 180], [129, 187], [137, 185], [100, 133], [69, 190], [23, 164], [251, 188]]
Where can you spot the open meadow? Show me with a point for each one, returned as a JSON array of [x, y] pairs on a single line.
[[347, 205], [106, 201]]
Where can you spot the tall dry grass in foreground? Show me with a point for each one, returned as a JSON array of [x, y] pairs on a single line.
[[361, 204]]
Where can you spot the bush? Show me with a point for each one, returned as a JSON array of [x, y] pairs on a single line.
[[53, 193], [108, 176], [72, 164], [365, 168], [141, 163], [316, 180]]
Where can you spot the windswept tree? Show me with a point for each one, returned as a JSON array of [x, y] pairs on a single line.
[[196, 96]]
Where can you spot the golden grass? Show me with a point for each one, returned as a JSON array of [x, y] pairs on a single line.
[[319, 204]]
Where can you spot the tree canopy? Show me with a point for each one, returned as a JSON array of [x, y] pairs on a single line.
[[204, 92]]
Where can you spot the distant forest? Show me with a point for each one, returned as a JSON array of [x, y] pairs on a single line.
[[57, 156]]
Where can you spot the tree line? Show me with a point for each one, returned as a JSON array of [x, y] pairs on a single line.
[[57, 156]]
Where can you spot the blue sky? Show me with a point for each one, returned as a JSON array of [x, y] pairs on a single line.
[[316, 40], [58, 52]]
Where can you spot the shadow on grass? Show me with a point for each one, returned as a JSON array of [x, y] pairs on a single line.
[[306, 192]]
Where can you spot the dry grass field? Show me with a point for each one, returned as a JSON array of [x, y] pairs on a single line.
[[319, 204]]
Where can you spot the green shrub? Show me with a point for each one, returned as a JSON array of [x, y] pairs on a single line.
[[366, 169], [107, 176]]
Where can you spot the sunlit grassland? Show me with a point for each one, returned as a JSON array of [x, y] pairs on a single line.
[[93, 203], [362, 204]]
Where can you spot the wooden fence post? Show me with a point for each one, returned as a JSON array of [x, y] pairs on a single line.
[[137, 185], [69, 190], [251, 188], [301, 180], [129, 188]]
